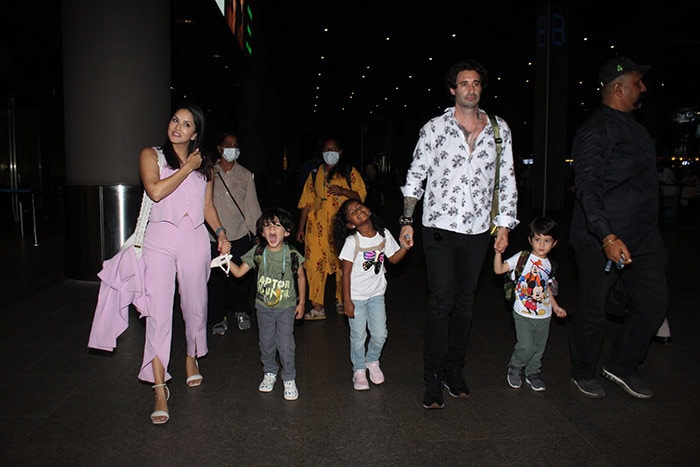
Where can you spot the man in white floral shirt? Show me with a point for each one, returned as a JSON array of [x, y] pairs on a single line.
[[454, 166]]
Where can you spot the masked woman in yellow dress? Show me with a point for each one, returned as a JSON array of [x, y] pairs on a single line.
[[325, 189]]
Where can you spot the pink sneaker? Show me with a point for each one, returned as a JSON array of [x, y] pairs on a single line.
[[375, 373], [359, 380]]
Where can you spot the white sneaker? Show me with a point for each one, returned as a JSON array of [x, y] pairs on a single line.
[[291, 393], [375, 373], [268, 382], [359, 380]]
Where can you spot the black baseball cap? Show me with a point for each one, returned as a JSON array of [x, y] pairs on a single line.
[[618, 66]]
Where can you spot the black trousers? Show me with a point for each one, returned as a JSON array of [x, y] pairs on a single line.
[[453, 263], [647, 289], [229, 293]]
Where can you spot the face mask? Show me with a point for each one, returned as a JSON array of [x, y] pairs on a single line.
[[231, 154], [331, 157]]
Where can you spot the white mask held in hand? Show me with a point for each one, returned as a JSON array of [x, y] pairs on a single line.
[[331, 157], [231, 154]]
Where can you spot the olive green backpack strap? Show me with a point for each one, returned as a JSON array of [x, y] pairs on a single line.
[[497, 180]]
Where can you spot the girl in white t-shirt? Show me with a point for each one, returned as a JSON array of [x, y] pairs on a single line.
[[364, 245]]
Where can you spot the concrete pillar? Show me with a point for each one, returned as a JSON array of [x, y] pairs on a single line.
[[551, 103], [116, 73]]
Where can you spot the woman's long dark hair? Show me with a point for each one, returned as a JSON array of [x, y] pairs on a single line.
[[340, 229], [167, 147]]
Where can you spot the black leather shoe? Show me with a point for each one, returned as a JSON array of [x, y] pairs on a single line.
[[663, 341]]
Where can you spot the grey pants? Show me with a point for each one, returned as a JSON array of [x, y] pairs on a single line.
[[276, 335]]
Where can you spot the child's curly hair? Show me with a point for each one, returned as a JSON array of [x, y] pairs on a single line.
[[340, 230]]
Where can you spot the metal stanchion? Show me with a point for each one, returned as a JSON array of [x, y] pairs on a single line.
[[15, 198], [21, 219], [36, 238]]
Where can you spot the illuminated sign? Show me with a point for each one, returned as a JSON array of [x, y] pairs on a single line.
[[239, 16]]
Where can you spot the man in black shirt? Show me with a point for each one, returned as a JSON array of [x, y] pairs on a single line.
[[614, 231]]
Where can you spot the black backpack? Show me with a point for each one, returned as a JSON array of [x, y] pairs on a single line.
[[509, 283]]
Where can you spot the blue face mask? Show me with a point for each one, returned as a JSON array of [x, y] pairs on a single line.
[[331, 157], [231, 154]]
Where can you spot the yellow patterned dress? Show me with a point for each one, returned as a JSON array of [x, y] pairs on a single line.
[[321, 258]]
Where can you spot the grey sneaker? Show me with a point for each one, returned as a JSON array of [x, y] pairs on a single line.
[[631, 384], [536, 382], [243, 321], [220, 328], [589, 387], [514, 377]]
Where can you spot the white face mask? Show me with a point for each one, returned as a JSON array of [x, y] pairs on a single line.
[[331, 157], [231, 154]]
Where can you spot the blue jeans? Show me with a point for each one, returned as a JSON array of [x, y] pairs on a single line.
[[369, 315]]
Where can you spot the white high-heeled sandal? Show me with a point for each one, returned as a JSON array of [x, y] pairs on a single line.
[[196, 380], [156, 414]]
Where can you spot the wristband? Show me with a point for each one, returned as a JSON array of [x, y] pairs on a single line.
[[405, 220], [219, 230]]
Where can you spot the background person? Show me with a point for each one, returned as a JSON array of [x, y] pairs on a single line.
[[690, 197], [236, 201], [670, 191], [325, 189]]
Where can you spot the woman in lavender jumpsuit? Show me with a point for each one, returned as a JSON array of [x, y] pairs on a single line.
[[177, 247]]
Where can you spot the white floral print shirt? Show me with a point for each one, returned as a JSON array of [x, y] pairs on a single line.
[[459, 185]]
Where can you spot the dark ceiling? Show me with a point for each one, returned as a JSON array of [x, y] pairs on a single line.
[[383, 59]]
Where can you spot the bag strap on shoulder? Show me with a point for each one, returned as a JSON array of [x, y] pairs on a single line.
[[379, 247], [145, 211], [520, 265], [497, 179]]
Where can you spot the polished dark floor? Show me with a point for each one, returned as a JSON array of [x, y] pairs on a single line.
[[64, 405]]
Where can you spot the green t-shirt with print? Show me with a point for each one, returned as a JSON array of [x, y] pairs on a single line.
[[275, 282]]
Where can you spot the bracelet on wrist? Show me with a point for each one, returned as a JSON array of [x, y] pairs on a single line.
[[405, 220], [609, 242], [219, 230]]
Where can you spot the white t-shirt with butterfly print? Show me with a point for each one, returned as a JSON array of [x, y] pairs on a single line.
[[367, 278]]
